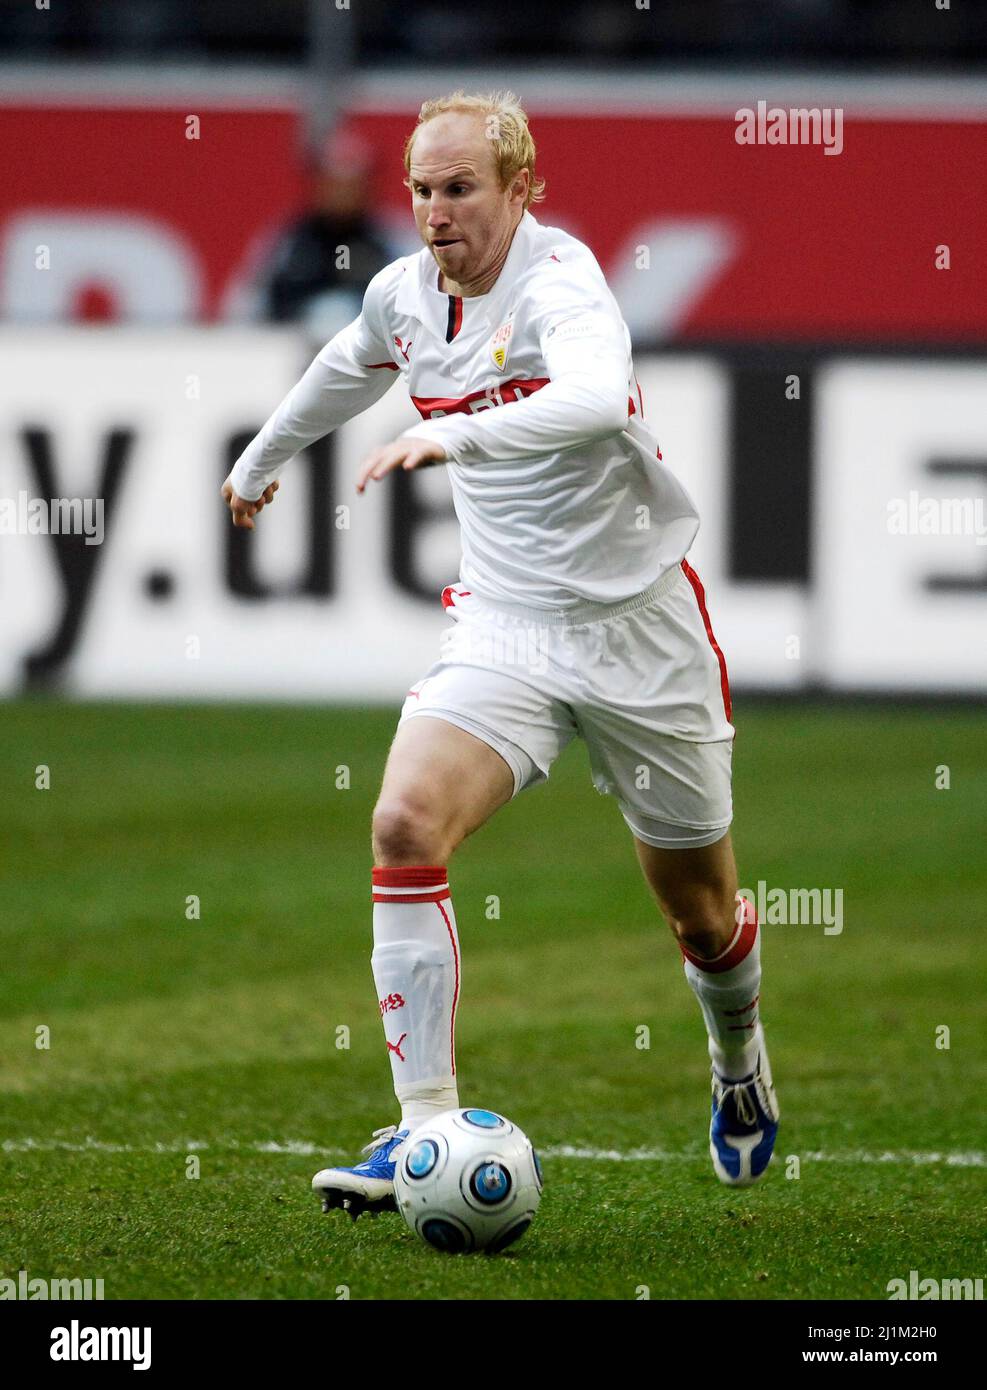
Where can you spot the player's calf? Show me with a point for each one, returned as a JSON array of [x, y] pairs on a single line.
[[744, 1119], [720, 940]]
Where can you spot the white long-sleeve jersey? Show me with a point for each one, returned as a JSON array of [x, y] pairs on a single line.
[[558, 483]]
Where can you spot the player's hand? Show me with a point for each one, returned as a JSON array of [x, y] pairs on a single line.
[[244, 511], [403, 453]]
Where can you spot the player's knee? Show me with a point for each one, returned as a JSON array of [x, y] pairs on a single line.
[[702, 918], [406, 832]]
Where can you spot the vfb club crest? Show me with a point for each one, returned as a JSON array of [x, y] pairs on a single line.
[[498, 344]]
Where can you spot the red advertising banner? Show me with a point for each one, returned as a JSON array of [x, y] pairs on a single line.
[[744, 241]]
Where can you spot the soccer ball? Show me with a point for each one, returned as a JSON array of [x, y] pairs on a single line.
[[468, 1180]]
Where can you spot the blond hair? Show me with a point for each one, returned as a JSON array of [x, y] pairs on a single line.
[[507, 127]]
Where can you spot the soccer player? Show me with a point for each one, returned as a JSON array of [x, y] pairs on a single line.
[[576, 614]]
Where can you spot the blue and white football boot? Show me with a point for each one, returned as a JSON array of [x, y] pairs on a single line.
[[369, 1186], [744, 1123]]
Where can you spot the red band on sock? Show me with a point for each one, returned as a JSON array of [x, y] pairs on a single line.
[[426, 883], [739, 946], [438, 896], [415, 876]]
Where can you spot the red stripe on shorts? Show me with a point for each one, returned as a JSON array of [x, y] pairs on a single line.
[[700, 594]]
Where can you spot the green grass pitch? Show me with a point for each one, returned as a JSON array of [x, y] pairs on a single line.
[[216, 1038]]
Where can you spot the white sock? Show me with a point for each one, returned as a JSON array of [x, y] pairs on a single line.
[[727, 988], [416, 969]]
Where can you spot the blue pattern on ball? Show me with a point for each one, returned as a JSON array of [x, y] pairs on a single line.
[[422, 1158], [483, 1119], [491, 1182]]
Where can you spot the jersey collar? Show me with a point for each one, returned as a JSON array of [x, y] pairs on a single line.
[[418, 292]]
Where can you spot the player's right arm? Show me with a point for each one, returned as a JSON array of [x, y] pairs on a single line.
[[348, 375]]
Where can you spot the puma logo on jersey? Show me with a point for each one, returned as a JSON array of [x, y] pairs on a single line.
[[498, 344], [403, 349]]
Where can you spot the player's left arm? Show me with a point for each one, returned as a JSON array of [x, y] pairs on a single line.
[[587, 355], [586, 352]]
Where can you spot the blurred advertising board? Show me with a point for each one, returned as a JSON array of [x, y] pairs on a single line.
[[147, 590]]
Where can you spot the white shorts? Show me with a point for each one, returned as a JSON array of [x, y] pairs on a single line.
[[642, 682]]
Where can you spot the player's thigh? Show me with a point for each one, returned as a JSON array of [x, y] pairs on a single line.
[[655, 720], [439, 781], [485, 737], [673, 793]]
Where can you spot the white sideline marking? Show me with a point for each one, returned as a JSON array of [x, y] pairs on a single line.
[[301, 1148], [903, 1157]]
